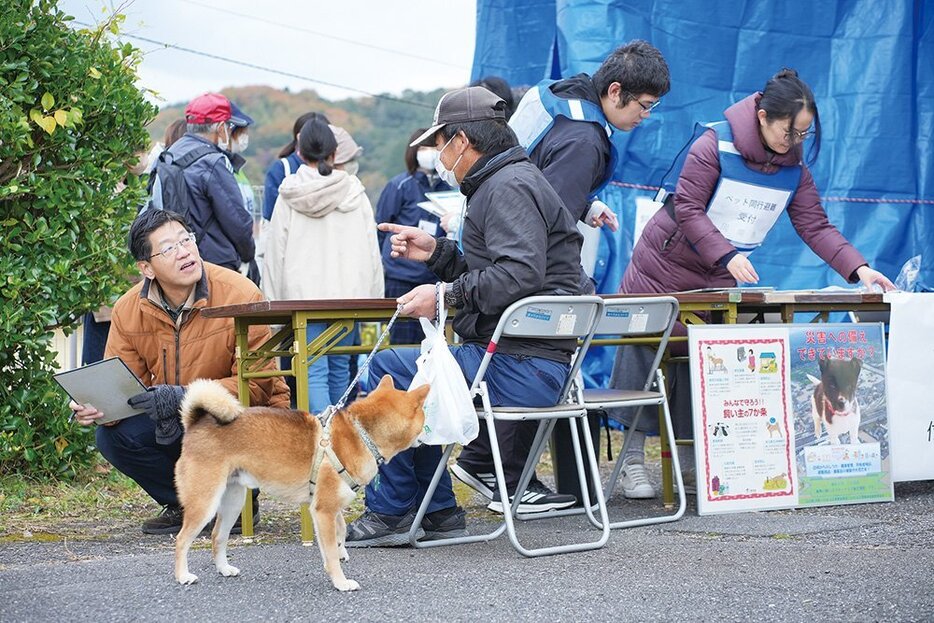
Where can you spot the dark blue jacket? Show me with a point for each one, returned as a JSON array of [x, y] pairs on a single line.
[[274, 176], [223, 226], [573, 155], [398, 203]]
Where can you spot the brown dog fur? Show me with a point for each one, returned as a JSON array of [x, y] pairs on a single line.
[[228, 447]]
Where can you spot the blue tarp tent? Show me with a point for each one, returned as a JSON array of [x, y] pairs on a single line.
[[869, 63]]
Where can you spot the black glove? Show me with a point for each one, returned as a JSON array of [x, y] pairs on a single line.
[[161, 403]]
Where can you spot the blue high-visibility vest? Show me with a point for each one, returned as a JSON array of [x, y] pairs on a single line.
[[536, 114], [746, 203]]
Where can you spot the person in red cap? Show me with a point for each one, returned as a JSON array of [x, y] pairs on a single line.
[[215, 207]]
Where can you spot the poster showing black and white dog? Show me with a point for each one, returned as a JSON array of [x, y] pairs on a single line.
[[838, 390]]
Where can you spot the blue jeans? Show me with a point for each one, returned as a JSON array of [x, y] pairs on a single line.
[[130, 446], [95, 339], [329, 376], [512, 381]]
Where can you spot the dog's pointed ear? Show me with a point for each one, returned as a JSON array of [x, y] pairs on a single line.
[[420, 393], [386, 383], [857, 363], [821, 364]]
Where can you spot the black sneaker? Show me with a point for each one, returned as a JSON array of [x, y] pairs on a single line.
[[483, 483], [537, 499], [447, 523], [374, 529], [169, 521]]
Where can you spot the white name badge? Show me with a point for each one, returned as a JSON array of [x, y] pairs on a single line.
[[745, 213], [429, 226]]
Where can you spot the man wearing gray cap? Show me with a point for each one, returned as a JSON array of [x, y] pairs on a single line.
[[517, 240]]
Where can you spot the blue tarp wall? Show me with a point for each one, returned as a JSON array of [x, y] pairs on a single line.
[[870, 64]]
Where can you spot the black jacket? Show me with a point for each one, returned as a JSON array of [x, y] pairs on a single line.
[[573, 155], [518, 241]]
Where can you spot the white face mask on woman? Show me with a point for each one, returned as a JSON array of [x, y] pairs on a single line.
[[427, 158], [447, 175], [239, 146]]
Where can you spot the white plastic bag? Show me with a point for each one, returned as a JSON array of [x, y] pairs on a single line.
[[450, 416]]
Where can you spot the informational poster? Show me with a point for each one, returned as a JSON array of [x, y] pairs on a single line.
[[789, 415], [911, 412]]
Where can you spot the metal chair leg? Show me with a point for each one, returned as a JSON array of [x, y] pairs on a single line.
[[679, 482], [433, 485]]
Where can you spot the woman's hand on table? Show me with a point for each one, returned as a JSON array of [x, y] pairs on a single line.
[[871, 278], [742, 269]]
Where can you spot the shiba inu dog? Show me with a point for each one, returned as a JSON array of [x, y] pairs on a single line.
[[834, 405], [288, 454]]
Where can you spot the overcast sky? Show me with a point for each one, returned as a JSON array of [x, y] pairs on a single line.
[[374, 46]]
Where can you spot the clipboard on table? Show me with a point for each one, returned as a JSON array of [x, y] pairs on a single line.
[[107, 385]]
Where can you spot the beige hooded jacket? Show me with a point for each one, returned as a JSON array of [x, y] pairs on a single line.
[[322, 240]]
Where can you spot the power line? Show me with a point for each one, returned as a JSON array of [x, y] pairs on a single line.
[[262, 68], [318, 33]]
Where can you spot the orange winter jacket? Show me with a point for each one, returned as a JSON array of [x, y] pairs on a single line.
[[159, 350]]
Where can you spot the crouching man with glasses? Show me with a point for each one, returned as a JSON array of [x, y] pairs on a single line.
[[158, 331]]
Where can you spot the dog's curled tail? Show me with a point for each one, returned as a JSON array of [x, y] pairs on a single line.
[[209, 398]]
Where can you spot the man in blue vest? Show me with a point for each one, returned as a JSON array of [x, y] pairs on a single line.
[[565, 125]]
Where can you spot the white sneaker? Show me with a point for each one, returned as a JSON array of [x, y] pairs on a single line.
[[636, 483]]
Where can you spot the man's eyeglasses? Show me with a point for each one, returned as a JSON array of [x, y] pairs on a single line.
[[645, 107], [171, 250], [798, 136]]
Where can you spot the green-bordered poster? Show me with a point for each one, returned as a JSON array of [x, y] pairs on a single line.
[[789, 415]]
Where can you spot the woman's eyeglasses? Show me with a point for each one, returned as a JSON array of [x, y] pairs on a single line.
[[798, 136]]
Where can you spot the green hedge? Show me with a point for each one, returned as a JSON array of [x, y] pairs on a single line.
[[71, 120]]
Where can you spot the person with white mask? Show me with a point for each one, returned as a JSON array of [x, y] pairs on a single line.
[[347, 156], [239, 141], [398, 203], [216, 212]]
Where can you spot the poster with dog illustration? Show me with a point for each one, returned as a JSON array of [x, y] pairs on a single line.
[[789, 415], [742, 418]]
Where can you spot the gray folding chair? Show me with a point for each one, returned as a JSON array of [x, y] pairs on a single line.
[[639, 318], [534, 317]]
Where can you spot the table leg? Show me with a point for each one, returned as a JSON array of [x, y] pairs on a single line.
[[668, 496], [242, 330], [300, 370]]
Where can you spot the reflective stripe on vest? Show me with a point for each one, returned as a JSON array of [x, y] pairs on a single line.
[[746, 203], [537, 111]]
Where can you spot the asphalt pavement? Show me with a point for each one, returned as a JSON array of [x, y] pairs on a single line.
[[870, 562]]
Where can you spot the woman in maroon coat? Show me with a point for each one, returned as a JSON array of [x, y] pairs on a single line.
[[737, 179]]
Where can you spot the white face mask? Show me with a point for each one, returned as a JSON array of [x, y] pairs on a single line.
[[224, 144], [427, 159], [239, 146], [447, 175]]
